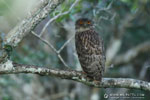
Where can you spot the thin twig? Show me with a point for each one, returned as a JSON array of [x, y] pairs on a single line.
[[62, 47], [62, 60], [30, 21], [49, 44], [46, 42], [132, 53], [52, 47], [57, 16]]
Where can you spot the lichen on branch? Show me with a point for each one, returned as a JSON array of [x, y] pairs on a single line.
[[76, 76]]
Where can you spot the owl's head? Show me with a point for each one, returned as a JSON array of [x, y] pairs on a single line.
[[83, 23]]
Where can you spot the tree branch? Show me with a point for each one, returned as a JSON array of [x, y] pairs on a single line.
[[9, 68], [28, 24], [52, 47], [132, 53], [57, 16], [116, 40]]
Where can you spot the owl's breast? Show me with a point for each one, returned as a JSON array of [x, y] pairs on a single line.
[[82, 45]]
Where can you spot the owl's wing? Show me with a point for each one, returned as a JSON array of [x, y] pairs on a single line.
[[90, 51], [93, 44]]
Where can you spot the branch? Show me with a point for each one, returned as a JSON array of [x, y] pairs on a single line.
[[45, 41], [28, 24], [52, 47], [57, 16], [9, 68], [132, 53], [116, 40], [25, 26], [48, 43]]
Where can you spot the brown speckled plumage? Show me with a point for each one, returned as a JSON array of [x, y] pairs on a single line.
[[90, 49]]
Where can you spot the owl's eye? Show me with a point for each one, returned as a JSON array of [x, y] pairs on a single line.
[[88, 22], [81, 22]]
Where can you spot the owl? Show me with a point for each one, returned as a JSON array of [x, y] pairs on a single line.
[[90, 49]]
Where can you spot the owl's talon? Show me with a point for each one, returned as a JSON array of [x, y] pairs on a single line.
[[83, 72], [96, 82]]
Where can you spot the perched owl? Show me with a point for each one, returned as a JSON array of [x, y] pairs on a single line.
[[90, 49]]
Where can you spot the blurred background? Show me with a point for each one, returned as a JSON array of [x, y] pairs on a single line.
[[124, 26]]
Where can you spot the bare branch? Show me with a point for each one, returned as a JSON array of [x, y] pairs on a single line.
[[62, 60], [62, 47], [116, 40], [52, 47], [26, 25], [46, 42], [57, 16], [132, 53], [74, 75]]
